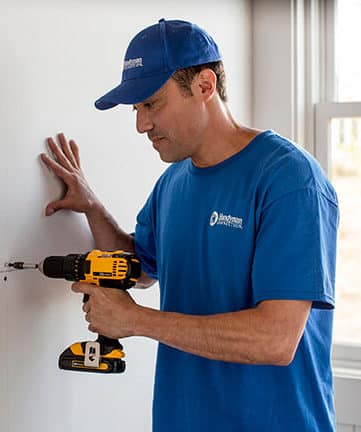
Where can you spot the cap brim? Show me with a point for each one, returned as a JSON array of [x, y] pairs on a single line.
[[132, 91]]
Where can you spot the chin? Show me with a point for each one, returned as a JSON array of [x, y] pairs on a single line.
[[171, 159]]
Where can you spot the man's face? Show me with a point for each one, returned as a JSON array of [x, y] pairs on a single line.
[[173, 121]]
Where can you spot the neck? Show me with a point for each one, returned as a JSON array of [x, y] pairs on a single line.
[[223, 137]]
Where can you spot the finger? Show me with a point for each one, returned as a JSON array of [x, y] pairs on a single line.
[[84, 288], [75, 149], [66, 149], [59, 154], [86, 307], [58, 169]]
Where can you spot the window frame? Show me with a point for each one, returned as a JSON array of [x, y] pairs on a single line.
[[324, 113], [301, 34], [346, 357]]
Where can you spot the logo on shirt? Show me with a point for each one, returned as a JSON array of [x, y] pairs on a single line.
[[133, 63], [226, 220]]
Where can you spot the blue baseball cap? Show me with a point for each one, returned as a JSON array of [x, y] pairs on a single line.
[[153, 56]]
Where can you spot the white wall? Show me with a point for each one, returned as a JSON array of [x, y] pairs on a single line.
[[272, 65], [56, 58]]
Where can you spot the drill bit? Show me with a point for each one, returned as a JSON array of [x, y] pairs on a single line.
[[21, 265]]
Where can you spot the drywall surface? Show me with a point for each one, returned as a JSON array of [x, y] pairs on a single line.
[[272, 83], [57, 57]]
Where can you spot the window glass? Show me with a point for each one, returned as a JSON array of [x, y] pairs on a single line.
[[346, 177], [347, 44]]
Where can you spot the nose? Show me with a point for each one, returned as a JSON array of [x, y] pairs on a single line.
[[144, 122]]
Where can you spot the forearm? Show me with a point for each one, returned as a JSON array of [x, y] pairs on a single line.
[[214, 337], [247, 336], [106, 232]]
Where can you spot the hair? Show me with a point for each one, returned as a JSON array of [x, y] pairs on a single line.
[[184, 78]]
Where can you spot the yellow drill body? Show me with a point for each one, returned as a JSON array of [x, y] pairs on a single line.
[[116, 269]]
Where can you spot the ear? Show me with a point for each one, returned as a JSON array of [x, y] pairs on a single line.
[[204, 84]]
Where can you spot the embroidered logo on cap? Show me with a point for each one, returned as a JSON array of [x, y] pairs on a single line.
[[133, 63]]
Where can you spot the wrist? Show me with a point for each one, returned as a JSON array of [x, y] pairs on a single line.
[[94, 209], [144, 321]]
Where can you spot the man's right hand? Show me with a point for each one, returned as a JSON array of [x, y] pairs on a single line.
[[66, 165]]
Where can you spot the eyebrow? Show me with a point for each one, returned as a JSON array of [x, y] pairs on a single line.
[[151, 99], [156, 96]]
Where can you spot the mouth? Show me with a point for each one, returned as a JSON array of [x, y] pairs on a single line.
[[155, 139]]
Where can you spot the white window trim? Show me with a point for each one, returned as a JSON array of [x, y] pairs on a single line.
[[346, 357], [295, 66], [346, 360], [313, 108], [324, 113]]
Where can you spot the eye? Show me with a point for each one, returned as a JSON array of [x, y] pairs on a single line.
[[147, 105]]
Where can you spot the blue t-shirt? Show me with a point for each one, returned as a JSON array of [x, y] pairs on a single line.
[[260, 225]]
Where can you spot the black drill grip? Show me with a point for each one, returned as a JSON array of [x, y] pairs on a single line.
[[107, 344]]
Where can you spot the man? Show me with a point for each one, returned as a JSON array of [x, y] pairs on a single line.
[[240, 232]]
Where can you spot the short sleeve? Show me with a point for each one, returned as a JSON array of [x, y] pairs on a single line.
[[295, 250], [144, 239]]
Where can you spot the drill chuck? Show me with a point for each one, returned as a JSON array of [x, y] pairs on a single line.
[[69, 267]]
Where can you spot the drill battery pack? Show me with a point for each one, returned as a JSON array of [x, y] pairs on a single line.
[[110, 359]]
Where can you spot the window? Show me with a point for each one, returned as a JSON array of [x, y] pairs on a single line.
[[318, 101], [338, 147], [347, 49], [346, 176]]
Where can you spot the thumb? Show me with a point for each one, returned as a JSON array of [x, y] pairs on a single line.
[[54, 206]]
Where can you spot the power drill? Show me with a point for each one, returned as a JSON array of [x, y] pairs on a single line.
[[117, 269]]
